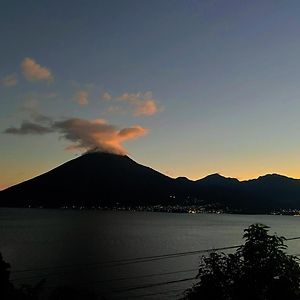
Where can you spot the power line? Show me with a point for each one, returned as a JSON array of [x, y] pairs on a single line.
[[154, 294], [154, 285], [293, 238], [122, 262], [146, 286], [136, 277], [151, 285], [132, 260]]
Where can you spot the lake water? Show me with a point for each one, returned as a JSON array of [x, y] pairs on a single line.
[[69, 247]]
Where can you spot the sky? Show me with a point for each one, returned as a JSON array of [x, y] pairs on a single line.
[[187, 87]]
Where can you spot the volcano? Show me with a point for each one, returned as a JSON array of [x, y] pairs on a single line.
[[91, 179]]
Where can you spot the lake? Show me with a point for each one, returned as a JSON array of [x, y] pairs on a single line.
[[93, 249]]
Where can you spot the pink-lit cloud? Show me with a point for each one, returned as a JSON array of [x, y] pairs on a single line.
[[106, 96], [32, 71], [97, 134], [82, 98], [147, 108], [116, 109], [137, 104], [83, 134], [143, 104]]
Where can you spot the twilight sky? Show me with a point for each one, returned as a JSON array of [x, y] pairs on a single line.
[[188, 87]]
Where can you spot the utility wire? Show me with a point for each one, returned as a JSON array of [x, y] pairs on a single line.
[[153, 285], [177, 291], [138, 259], [131, 260], [135, 277], [122, 262]]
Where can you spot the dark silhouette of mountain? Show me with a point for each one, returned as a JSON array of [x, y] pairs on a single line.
[[274, 191], [91, 179], [102, 179], [217, 180]]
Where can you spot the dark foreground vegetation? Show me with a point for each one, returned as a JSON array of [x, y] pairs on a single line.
[[260, 269], [27, 292]]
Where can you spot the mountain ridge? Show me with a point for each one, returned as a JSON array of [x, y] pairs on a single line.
[[103, 179], [181, 178]]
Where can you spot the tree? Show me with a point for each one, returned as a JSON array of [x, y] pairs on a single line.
[[6, 288], [259, 270]]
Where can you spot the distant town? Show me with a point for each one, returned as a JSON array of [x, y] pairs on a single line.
[[190, 209]]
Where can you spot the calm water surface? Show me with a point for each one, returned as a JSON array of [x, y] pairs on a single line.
[[72, 247]]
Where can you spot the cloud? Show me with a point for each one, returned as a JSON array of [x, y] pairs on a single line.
[[32, 104], [106, 96], [143, 103], [29, 128], [97, 134], [32, 71], [116, 109], [10, 80], [32, 107], [148, 108], [81, 98], [88, 135]]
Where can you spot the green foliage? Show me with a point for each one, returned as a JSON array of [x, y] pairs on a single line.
[[259, 270]]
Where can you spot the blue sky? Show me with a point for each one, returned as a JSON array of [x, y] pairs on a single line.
[[204, 86]]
